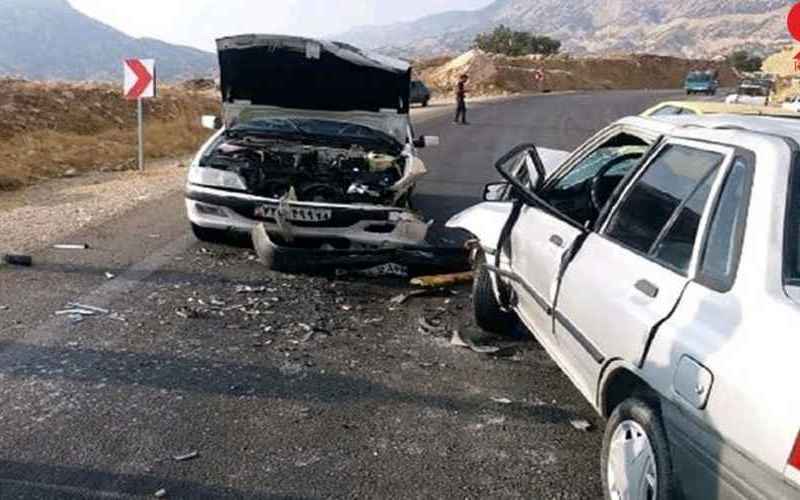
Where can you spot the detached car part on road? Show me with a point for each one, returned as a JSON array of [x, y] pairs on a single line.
[[315, 144], [659, 266]]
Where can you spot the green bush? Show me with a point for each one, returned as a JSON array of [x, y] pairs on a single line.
[[504, 40], [745, 61]]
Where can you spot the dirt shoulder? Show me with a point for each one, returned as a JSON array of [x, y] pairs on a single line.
[[53, 210]]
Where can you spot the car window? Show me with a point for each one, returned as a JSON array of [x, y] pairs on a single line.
[[660, 214], [791, 250], [590, 166], [720, 258]]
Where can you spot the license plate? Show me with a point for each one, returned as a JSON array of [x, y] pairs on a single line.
[[297, 214]]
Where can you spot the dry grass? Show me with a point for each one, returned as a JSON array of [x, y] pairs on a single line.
[[32, 157]]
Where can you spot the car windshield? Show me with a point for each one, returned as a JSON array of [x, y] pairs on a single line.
[[698, 77]]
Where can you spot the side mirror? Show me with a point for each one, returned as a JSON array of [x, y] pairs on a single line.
[[523, 167], [211, 122], [426, 141], [496, 191]]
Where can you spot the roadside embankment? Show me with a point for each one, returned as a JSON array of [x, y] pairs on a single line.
[[492, 74], [57, 129]]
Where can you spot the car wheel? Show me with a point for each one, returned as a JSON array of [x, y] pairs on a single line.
[[488, 314], [636, 462], [425, 103], [209, 235]]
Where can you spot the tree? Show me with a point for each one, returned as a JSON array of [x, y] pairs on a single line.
[[504, 40], [745, 61]]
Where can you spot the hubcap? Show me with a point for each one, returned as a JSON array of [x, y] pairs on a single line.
[[632, 473]]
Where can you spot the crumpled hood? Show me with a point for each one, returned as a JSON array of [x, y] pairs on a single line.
[[301, 73]]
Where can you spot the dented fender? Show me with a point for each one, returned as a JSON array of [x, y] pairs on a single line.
[[485, 221]]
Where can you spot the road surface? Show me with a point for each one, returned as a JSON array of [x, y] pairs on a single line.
[[295, 387]]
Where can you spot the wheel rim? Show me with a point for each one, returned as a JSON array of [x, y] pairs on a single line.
[[632, 473]]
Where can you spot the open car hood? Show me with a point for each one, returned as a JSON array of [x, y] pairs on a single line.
[[301, 73]]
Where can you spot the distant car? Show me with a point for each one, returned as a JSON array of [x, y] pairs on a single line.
[[792, 104], [701, 82], [315, 147], [756, 93], [659, 266], [672, 108], [420, 94]]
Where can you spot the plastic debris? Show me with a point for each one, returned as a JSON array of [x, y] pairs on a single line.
[[98, 310], [502, 401], [162, 493], [581, 425], [71, 246], [110, 276], [186, 457], [18, 260], [250, 289], [443, 279]]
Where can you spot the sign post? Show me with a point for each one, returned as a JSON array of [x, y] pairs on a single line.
[[140, 83]]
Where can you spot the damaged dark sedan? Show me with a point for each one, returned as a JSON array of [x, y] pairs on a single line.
[[315, 146]]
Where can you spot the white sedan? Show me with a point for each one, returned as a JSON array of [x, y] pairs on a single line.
[[659, 266]]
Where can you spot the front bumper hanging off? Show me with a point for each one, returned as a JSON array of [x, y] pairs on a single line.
[[414, 260]]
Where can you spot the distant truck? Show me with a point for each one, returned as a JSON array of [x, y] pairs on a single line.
[[701, 82]]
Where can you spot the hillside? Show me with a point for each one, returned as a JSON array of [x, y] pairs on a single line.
[[686, 28], [48, 39]]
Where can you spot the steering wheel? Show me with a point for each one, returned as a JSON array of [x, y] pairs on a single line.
[[594, 187]]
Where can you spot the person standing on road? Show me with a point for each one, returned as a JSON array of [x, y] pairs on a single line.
[[461, 100]]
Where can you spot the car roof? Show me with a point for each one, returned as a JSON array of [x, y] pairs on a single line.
[[716, 107], [672, 124]]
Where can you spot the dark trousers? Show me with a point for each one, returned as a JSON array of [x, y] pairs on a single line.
[[461, 111]]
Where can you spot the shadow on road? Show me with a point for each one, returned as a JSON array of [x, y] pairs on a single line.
[[45, 482], [289, 381]]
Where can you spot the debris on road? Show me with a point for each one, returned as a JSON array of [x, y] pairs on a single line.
[[443, 279], [581, 425], [18, 260], [502, 401], [458, 341], [71, 246], [110, 276], [98, 310], [427, 292], [430, 326], [160, 493], [186, 457], [241, 289]]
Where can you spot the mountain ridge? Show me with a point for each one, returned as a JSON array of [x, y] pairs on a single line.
[[687, 28], [51, 40]]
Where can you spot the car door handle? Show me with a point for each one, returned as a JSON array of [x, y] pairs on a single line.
[[557, 240], [647, 288]]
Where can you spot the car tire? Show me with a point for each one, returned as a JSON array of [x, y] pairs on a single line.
[[488, 314], [636, 419], [209, 235], [425, 103]]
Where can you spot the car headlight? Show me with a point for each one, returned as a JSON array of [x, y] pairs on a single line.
[[214, 177]]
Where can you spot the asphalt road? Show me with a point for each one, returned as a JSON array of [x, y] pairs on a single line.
[[301, 387]]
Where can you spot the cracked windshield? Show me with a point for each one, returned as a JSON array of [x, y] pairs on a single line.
[[302, 249]]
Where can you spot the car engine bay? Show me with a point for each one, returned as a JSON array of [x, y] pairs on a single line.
[[328, 174]]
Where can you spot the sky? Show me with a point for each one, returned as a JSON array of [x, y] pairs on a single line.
[[199, 22]]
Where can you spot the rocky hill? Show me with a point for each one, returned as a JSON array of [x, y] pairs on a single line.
[[49, 39], [687, 28]]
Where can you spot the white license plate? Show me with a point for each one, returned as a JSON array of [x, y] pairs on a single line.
[[298, 214]]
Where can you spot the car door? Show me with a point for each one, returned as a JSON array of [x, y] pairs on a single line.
[[541, 238], [629, 276]]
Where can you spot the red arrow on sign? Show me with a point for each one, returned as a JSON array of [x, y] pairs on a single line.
[[144, 78]]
